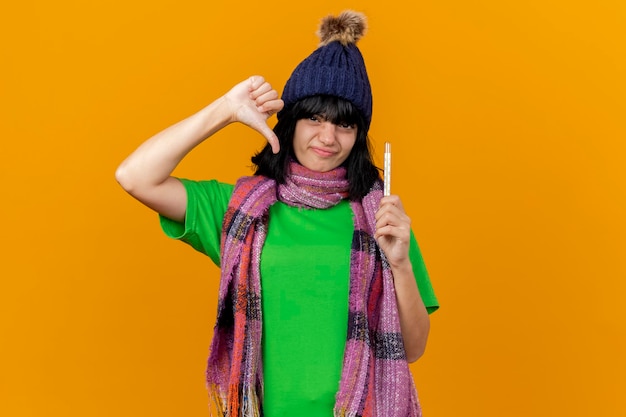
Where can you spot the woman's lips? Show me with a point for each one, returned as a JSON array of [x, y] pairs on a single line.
[[323, 152]]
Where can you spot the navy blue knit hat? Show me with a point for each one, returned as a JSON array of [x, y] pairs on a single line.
[[336, 67]]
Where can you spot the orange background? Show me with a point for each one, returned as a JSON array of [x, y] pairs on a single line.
[[507, 121]]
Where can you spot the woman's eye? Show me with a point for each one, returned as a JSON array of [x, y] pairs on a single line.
[[346, 125]]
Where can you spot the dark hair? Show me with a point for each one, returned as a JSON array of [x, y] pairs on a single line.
[[360, 170]]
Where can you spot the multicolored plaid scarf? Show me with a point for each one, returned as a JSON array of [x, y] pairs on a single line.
[[375, 379]]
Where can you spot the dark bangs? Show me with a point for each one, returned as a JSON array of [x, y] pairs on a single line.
[[334, 109]]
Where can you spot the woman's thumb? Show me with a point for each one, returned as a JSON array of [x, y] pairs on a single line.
[[269, 134]]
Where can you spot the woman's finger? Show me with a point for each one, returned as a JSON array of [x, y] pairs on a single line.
[[262, 89], [270, 106]]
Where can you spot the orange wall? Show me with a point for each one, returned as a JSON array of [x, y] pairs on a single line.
[[508, 125]]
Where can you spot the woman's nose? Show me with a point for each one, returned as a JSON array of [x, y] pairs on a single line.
[[327, 134]]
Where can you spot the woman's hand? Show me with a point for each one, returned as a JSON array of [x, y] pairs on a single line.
[[252, 102], [393, 230]]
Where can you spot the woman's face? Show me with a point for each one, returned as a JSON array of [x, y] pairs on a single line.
[[321, 145]]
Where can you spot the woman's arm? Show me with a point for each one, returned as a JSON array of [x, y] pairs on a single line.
[[393, 233], [146, 173]]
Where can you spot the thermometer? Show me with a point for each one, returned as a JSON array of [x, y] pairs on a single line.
[[387, 171]]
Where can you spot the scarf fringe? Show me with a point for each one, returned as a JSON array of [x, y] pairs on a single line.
[[245, 406]]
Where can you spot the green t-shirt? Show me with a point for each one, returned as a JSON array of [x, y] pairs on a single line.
[[305, 270]]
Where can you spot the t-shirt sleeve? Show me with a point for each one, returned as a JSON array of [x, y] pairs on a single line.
[[207, 202], [421, 276]]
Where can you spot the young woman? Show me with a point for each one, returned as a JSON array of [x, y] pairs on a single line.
[[324, 297]]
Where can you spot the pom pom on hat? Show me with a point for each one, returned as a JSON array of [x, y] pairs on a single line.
[[336, 67], [346, 28]]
